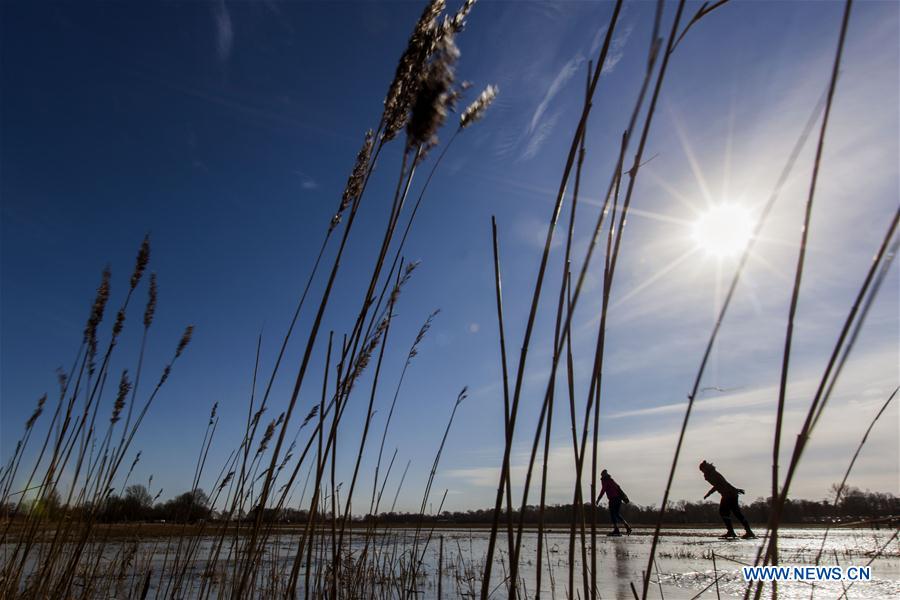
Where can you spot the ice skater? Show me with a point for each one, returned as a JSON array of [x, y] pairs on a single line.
[[616, 496], [729, 503]]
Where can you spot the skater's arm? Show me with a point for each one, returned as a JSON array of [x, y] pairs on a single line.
[[602, 491], [710, 492]]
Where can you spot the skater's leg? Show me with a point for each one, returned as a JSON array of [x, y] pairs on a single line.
[[725, 507], [614, 505], [736, 509], [621, 518]]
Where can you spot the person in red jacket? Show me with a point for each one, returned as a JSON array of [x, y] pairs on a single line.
[[729, 503], [616, 496]]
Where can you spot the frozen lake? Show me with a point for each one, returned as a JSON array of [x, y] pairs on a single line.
[[684, 566]]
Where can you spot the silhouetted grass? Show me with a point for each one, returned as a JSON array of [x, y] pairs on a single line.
[[57, 545]]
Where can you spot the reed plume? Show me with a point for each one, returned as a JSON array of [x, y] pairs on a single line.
[[459, 19], [403, 89], [226, 480], [151, 302], [475, 111], [124, 388], [96, 316], [140, 264], [435, 91], [356, 181], [185, 340], [310, 416], [62, 379], [267, 437], [37, 412]]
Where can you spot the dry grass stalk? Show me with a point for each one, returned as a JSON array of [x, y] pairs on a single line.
[[504, 472]]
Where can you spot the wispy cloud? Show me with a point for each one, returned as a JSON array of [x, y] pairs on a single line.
[[617, 49], [224, 31], [542, 124], [598, 40], [562, 77], [537, 138], [720, 403], [306, 181]]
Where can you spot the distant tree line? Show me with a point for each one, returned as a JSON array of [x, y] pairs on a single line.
[[133, 505], [136, 504], [854, 505]]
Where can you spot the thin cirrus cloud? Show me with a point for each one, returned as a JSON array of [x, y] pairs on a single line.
[[562, 77], [306, 181], [537, 138], [224, 31], [616, 49], [542, 122]]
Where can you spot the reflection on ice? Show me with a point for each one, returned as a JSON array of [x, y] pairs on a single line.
[[690, 563]]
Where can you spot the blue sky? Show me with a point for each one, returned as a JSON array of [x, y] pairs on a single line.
[[227, 131]]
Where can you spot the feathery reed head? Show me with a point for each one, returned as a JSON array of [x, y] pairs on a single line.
[[227, 480], [287, 456], [151, 302], [140, 263], [37, 412], [408, 270], [458, 22], [365, 355], [62, 379], [185, 340], [414, 350], [357, 178], [403, 89], [119, 324], [255, 420], [435, 90], [476, 110], [96, 316], [137, 459], [463, 394], [371, 343], [119, 404], [310, 416], [212, 413], [407, 273], [456, 93], [266, 438]]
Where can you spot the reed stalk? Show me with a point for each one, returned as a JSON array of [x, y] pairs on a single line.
[[798, 275], [520, 372]]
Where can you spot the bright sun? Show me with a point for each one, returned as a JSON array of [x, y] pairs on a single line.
[[723, 230]]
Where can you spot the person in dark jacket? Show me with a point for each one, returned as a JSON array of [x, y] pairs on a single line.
[[616, 496], [729, 502]]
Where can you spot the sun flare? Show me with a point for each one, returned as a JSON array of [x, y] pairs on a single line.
[[723, 230]]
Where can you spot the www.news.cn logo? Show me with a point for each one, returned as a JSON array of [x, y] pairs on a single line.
[[807, 573]]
